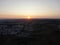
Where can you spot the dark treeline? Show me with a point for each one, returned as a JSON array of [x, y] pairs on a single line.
[[37, 32]]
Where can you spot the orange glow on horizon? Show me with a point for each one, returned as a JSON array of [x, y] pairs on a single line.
[[28, 17]]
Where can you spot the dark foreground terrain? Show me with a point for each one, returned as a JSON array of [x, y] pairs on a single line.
[[30, 32]]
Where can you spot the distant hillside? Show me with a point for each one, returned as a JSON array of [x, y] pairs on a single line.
[[30, 32]]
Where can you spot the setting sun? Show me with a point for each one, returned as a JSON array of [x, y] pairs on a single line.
[[28, 17]]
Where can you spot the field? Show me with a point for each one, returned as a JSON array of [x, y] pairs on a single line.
[[30, 32]]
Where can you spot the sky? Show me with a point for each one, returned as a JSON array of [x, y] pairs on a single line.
[[33, 8]]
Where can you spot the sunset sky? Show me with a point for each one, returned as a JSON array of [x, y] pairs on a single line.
[[32, 8]]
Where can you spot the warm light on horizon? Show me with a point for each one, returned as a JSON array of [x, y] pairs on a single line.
[[28, 17], [30, 9]]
